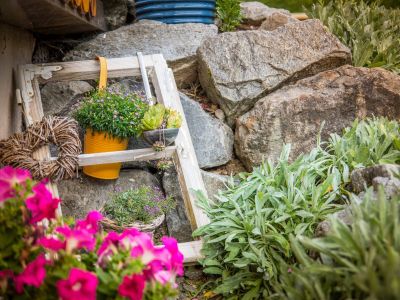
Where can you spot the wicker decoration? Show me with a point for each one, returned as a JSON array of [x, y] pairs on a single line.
[[109, 224], [18, 150]]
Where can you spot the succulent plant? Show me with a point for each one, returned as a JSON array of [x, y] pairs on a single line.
[[174, 119], [164, 164], [158, 146], [154, 117], [158, 116]]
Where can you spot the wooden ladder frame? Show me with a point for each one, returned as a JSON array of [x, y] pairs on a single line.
[[183, 154]]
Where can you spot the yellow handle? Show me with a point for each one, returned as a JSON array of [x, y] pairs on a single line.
[[86, 6], [103, 72]]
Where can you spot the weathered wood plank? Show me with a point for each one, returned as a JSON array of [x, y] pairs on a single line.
[[16, 47], [123, 156], [33, 112], [59, 17], [191, 251], [90, 69], [185, 157]]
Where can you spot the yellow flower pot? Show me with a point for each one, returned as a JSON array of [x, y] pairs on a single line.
[[96, 142]]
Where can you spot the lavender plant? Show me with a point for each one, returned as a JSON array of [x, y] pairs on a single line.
[[142, 204]]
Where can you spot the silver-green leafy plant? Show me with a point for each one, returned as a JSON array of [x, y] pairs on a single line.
[[361, 261], [367, 143], [248, 239], [251, 222], [371, 31]]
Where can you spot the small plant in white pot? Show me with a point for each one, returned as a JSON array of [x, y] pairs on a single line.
[[143, 208]]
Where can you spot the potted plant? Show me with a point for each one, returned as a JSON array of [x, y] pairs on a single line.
[[160, 126], [109, 117], [143, 208]]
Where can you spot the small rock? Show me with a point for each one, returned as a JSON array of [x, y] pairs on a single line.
[[254, 13], [214, 183], [212, 139], [115, 13], [276, 20], [363, 177], [219, 114], [59, 97], [390, 185], [81, 195], [324, 227], [294, 114], [177, 42], [238, 68], [177, 221]]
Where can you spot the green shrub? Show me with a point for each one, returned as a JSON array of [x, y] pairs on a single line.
[[367, 143], [248, 239], [142, 204], [228, 13], [251, 223], [372, 31], [361, 261], [114, 112]]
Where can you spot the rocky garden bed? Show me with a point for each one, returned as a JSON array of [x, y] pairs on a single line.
[[278, 98]]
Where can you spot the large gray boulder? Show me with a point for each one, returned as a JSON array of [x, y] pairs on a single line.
[[177, 42], [59, 97], [81, 195], [238, 68], [212, 139], [177, 220], [294, 114]]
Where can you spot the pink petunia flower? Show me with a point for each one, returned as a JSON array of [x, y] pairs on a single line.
[[132, 287], [77, 238], [9, 178], [111, 239], [41, 204], [52, 243], [176, 263], [80, 285], [91, 222], [33, 275]]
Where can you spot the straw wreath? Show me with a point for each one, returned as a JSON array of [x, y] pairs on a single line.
[[18, 150]]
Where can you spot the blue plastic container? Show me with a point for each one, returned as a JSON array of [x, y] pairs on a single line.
[[176, 11]]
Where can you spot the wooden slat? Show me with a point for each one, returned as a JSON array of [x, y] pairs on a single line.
[[191, 251], [185, 157], [123, 156], [90, 69], [33, 112]]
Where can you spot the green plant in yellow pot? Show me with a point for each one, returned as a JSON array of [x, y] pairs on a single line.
[[110, 117]]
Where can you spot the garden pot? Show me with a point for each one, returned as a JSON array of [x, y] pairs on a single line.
[[176, 11], [164, 135], [96, 142], [109, 224]]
